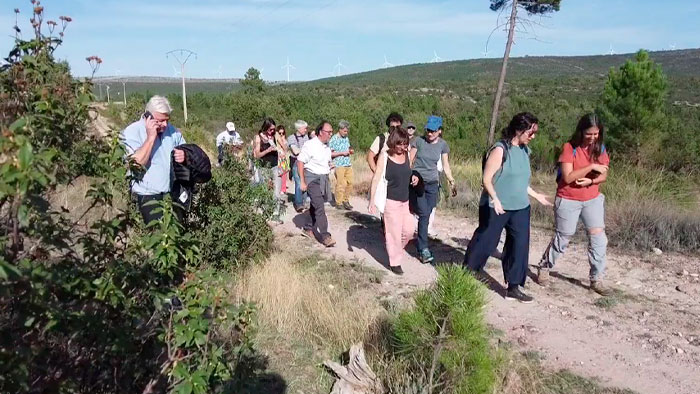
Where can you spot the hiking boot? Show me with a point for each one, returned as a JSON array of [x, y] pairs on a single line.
[[426, 256], [397, 270], [299, 209], [598, 287], [347, 206], [542, 276], [328, 241], [309, 233], [517, 295]]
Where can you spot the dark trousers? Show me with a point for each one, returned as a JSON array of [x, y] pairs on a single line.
[[221, 154], [516, 249], [424, 198], [318, 212], [151, 212]]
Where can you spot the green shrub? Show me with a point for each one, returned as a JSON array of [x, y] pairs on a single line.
[[444, 336], [100, 305], [228, 217]]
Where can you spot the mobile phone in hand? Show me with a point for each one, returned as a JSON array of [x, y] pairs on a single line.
[[147, 115]]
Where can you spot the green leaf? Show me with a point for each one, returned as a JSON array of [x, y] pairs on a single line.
[[29, 322], [18, 124], [184, 387], [25, 156]]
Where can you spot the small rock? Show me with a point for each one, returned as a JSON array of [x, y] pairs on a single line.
[[331, 287], [645, 314], [679, 350], [695, 275], [657, 251], [682, 289], [683, 273]]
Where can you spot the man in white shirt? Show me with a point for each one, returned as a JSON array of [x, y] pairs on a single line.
[[228, 137], [313, 164]]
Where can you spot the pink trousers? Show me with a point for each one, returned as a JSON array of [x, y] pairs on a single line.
[[398, 227]]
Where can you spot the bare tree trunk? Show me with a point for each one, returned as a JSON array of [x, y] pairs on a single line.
[[502, 78]]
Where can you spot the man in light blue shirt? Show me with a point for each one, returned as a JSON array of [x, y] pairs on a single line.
[[150, 141]]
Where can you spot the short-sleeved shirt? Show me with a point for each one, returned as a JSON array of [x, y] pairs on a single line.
[[581, 159], [298, 141], [512, 179], [156, 180], [375, 144], [427, 157], [340, 144], [316, 157]]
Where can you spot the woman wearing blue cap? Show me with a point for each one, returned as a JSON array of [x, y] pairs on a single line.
[[426, 152]]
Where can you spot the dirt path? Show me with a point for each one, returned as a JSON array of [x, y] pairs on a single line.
[[647, 338]]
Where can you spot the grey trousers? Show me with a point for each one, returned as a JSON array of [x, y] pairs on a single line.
[[319, 221], [566, 215]]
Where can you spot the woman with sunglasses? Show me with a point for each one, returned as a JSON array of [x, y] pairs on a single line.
[[505, 204], [395, 166], [426, 153], [266, 156]]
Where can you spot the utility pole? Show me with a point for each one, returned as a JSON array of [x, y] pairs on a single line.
[[107, 94], [182, 56], [100, 86]]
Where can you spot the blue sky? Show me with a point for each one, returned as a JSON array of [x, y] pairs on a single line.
[[133, 36]]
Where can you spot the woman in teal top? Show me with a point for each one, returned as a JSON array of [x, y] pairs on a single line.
[[505, 204]]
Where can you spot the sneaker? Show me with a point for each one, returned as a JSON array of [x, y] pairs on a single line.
[[598, 287], [426, 256], [347, 206], [328, 241], [299, 209], [517, 294], [397, 270], [309, 233], [542, 276]]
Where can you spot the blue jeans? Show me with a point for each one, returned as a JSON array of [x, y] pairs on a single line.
[[516, 249], [425, 198], [299, 196]]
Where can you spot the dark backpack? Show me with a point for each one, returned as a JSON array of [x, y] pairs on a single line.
[[559, 175], [381, 145], [503, 144]]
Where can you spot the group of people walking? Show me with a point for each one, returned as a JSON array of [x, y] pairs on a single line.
[[405, 185]]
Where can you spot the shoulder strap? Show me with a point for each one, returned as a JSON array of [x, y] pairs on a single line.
[[381, 142]]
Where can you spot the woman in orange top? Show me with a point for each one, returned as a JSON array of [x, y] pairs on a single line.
[[583, 166]]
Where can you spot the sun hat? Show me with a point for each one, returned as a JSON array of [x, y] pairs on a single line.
[[410, 125], [230, 126]]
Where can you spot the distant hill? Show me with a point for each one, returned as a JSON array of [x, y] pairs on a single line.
[[677, 63]]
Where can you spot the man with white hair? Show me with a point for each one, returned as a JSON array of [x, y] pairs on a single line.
[[295, 142], [151, 141], [226, 138]]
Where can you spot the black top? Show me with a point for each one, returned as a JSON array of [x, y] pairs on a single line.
[[398, 178], [270, 159]]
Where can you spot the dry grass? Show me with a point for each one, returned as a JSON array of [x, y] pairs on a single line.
[[306, 305]]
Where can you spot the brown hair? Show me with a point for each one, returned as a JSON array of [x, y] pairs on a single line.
[[397, 135], [281, 127]]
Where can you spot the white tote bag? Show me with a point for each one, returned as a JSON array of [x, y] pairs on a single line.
[[380, 193]]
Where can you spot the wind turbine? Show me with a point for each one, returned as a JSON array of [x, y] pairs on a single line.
[[288, 67], [611, 51], [339, 66], [218, 72], [436, 58], [673, 46], [386, 63]]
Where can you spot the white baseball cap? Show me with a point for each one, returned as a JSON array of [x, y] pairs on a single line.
[[230, 126]]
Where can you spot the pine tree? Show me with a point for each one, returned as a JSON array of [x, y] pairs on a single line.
[[532, 7], [632, 106]]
